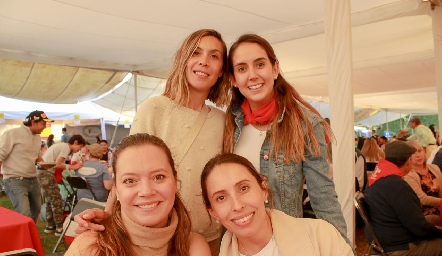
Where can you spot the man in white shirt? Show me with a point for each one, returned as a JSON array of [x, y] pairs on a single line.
[[19, 151]]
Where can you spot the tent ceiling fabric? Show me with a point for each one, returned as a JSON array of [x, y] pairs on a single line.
[[54, 83], [73, 50]]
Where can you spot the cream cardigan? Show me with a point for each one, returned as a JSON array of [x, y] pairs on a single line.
[[297, 236], [413, 179], [162, 117]]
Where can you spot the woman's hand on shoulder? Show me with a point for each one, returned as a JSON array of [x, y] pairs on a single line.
[[85, 218], [198, 245]]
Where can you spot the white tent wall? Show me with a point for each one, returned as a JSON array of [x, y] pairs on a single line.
[[437, 35], [90, 115], [89, 132], [337, 24]]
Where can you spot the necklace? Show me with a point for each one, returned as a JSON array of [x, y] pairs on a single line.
[[246, 252], [262, 129]]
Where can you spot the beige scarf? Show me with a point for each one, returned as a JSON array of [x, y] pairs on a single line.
[[151, 241]]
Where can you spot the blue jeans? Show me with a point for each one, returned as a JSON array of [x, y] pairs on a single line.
[[25, 196]]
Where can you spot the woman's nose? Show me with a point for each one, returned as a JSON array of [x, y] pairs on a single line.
[[146, 189], [237, 204], [252, 74], [203, 60]]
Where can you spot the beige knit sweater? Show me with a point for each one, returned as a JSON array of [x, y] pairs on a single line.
[[162, 117], [413, 179]]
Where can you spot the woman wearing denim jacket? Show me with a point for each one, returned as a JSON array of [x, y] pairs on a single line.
[[284, 137]]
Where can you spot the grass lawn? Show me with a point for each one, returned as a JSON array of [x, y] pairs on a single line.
[[48, 240]]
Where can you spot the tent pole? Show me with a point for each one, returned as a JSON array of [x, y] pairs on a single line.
[[135, 90], [437, 37], [400, 121], [103, 129], [337, 28], [386, 118]]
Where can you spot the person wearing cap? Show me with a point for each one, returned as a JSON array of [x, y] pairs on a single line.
[[96, 174], [19, 151], [422, 134], [394, 208], [54, 204]]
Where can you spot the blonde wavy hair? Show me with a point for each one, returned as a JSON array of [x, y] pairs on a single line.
[[177, 86]]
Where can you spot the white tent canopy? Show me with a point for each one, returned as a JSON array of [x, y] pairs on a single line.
[[100, 41], [88, 112]]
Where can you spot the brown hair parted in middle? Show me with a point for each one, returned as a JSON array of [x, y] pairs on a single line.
[[116, 234], [231, 158], [177, 87]]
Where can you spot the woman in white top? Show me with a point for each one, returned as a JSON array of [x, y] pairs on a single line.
[[235, 195]]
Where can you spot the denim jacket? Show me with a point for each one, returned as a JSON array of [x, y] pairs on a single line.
[[286, 180]]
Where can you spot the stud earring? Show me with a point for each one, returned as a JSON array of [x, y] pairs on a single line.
[[266, 201], [234, 85], [276, 77], [216, 220]]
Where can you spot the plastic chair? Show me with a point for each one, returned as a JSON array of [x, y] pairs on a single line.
[[77, 182], [82, 204], [360, 205]]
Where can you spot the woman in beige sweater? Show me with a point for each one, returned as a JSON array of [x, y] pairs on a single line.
[[148, 217], [425, 180]]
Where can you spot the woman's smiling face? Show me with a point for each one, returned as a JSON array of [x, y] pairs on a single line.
[[206, 64], [236, 199], [253, 73], [145, 185]]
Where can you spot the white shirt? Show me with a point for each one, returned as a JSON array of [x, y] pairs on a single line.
[[271, 249], [249, 144]]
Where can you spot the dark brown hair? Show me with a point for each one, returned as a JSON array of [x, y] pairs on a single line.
[[177, 86], [227, 158], [78, 138], [116, 240], [287, 136]]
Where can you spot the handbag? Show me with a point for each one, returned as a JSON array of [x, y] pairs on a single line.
[[194, 130]]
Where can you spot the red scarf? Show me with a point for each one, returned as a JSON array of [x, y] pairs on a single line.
[[384, 169], [262, 115]]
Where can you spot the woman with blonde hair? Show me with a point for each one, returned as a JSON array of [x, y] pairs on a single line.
[[371, 150], [148, 217], [192, 130], [426, 181]]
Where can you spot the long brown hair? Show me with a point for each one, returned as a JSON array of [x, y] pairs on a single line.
[[177, 86], [289, 135], [116, 240], [371, 150]]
